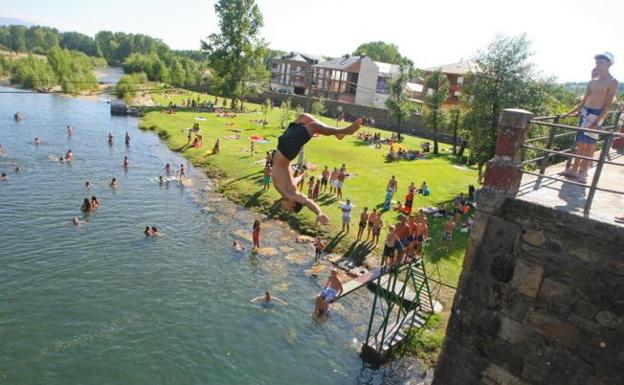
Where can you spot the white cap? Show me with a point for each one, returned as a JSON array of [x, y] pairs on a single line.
[[605, 55]]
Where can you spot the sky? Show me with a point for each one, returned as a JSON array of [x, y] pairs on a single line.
[[565, 34]]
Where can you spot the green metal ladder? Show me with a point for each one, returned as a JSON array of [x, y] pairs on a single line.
[[402, 301]]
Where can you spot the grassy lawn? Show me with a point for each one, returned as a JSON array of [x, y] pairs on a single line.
[[241, 180], [241, 176]]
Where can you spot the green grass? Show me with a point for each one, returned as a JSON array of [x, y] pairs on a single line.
[[241, 177], [241, 181]]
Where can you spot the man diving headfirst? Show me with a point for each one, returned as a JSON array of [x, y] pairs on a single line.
[[289, 144]]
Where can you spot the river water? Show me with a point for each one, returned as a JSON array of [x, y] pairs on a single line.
[[103, 304]]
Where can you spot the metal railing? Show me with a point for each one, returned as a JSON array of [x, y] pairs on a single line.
[[555, 148]]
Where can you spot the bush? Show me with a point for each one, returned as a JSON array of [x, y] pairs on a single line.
[[128, 85], [31, 72]]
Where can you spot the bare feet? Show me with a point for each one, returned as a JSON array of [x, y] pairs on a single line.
[[351, 129], [568, 174]]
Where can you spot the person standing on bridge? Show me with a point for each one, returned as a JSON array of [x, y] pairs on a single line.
[[592, 110]]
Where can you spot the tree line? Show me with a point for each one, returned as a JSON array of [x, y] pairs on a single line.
[[71, 70], [135, 52]]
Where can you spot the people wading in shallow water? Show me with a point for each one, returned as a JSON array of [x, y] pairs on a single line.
[[331, 291], [69, 156], [127, 139], [256, 234]]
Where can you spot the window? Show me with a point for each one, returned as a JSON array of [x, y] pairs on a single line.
[[382, 86], [460, 80]]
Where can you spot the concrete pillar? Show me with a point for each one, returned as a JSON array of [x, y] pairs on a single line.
[[503, 172]]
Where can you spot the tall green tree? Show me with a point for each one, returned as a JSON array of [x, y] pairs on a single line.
[[505, 79], [383, 52], [236, 53], [399, 106], [437, 90]]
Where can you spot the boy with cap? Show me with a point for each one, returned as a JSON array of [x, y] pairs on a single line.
[[592, 110]]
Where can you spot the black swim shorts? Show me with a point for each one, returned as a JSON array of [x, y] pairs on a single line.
[[292, 140]]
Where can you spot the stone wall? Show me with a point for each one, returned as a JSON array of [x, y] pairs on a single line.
[[541, 295]]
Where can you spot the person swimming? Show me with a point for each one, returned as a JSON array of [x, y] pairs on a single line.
[[126, 163], [86, 205], [267, 298], [95, 203], [75, 221], [332, 290], [236, 245], [87, 185], [3, 177], [37, 141], [70, 131], [69, 156], [114, 183], [111, 138], [147, 231], [160, 180]]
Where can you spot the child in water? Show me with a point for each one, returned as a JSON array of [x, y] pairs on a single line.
[[256, 234]]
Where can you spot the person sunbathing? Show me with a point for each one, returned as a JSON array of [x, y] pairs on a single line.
[[289, 144]]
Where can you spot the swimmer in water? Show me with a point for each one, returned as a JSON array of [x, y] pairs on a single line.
[[267, 298], [114, 183], [237, 246], [168, 169], [75, 221], [70, 131], [37, 141], [154, 231], [148, 231], [87, 185], [86, 205], [127, 139], [95, 203], [125, 162], [160, 180], [17, 169], [69, 156], [111, 139], [3, 177]]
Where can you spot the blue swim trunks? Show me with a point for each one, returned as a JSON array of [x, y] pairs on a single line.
[[588, 117], [329, 294]]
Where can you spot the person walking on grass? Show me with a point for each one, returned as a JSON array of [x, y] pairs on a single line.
[[370, 223], [266, 179], [298, 133], [592, 110], [346, 215], [362, 224], [332, 181], [377, 230], [324, 178], [256, 234], [311, 187], [316, 190], [340, 182]]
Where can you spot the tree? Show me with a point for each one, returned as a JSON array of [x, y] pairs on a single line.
[[318, 106], [383, 52], [266, 107], [236, 53], [128, 85], [398, 105], [456, 113], [505, 79], [286, 112], [437, 88]]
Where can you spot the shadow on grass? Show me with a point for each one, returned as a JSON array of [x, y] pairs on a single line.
[[357, 252], [331, 245], [253, 175], [327, 200]]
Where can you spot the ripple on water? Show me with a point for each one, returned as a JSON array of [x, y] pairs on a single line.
[[103, 303]]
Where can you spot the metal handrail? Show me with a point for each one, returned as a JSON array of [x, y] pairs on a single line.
[[607, 134]]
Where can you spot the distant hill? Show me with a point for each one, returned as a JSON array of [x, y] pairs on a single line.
[[10, 21]]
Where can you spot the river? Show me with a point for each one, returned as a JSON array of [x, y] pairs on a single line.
[[103, 304]]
